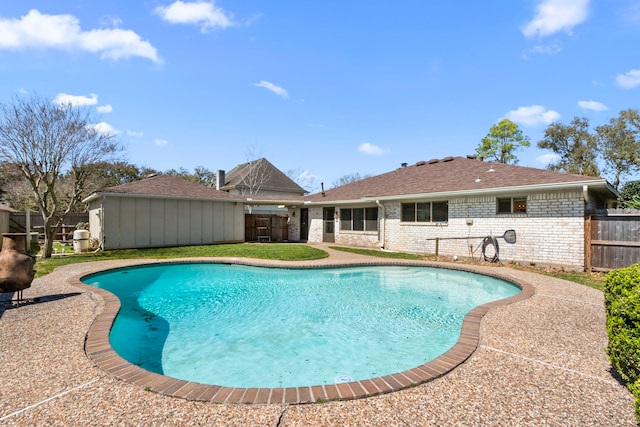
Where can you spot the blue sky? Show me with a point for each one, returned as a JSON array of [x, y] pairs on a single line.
[[326, 88]]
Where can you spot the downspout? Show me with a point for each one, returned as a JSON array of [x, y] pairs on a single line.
[[101, 236], [585, 193], [382, 224]]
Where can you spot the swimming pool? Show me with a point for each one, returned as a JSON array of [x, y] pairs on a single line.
[[256, 327]]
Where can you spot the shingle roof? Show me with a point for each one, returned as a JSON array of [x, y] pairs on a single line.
[[167, 186], [448, 175], [274, 180]]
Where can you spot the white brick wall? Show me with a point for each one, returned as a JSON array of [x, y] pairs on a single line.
[[550, 233]]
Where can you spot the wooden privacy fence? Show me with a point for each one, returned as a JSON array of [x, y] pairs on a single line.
[[266, 228], [18, 223], [612, 239]]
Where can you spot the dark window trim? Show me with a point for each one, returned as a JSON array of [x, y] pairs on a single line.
[[356, 221], [419, 212]]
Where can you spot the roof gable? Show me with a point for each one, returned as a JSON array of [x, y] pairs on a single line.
[[272, 177]]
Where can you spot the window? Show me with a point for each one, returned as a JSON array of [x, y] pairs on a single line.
[[359, 219], [425, 212], [507, 205]]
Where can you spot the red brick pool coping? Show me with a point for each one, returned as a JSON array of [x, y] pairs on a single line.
[[99, 350]]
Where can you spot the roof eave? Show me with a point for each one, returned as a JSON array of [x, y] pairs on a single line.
[[98, 195], [574, 185]]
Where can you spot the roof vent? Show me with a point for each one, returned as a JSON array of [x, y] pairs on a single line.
[[447, 159], [403, 165], [420, 163], [432, 161]]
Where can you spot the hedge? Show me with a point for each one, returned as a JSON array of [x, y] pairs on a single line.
[[622, 304]]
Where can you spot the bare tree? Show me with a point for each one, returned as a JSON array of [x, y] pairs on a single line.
[[304, 179], [45, 141], [348, 179], [254, 174]]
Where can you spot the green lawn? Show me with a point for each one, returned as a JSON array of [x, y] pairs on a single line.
[[276, 251]]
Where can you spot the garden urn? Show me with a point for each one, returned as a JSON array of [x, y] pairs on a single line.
[[16, 266]]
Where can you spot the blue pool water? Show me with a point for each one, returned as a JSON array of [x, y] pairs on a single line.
[[243, 326]]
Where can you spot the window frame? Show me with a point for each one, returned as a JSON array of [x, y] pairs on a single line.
[[501, 203], [424, 212], [359, 220]]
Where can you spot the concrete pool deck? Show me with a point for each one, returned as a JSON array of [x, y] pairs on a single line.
[[540, 361]]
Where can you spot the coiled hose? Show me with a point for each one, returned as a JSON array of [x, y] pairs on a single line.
[[488, 241]]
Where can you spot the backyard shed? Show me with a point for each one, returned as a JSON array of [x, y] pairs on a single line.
[[163, 211]]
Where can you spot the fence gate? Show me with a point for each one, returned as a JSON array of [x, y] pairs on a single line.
[[612, 239], [266, 228]]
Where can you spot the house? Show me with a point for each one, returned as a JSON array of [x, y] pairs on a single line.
[[259, 178], [162, 211], [449, 206]]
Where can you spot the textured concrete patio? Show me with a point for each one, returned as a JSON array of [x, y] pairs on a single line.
[[540, 361]]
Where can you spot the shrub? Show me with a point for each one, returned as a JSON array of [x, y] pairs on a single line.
[[622, 303]]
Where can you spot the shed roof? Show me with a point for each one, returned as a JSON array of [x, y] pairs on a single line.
[[165, 186], [458, 175]]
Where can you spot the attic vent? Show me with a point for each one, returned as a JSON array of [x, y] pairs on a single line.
[[432, 161], [420, 163], [447, 159]]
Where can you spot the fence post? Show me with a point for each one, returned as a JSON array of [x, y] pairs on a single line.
[[27, 227], [437, 245]]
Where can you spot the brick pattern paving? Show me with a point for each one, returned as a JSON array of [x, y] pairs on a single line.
[[99, 350]]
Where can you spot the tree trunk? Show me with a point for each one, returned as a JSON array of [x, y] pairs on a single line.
[[49, 237]]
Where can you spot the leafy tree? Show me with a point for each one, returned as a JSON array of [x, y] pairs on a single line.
[[619, 145], [109, 174], [45, 141], [574, 145], [630, 191], [200, 175], [500, 144]]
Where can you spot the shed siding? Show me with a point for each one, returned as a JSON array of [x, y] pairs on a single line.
[[139, 222]]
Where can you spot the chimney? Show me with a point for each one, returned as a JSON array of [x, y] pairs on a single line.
[[219, 179]]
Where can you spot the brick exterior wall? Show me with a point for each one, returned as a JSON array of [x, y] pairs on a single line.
[[550, 233]]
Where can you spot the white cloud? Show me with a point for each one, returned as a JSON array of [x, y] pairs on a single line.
[[550, 49], [629, 80], [553, 16], [134, 133], [273, 88], [592, 105], [201, 13], [533, 115], [40, 31], [104, 108], [161, 142], [367, 148], [76, 100], [106, 128], [547, 159]]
